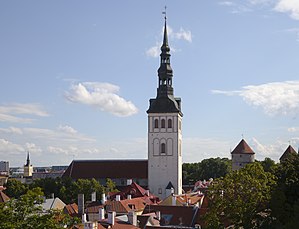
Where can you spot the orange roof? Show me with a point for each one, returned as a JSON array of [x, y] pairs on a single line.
[[125, 206], [71, 209], [242, 148], [289, 151]]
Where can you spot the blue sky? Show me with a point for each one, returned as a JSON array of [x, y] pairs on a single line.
[[76, 77]]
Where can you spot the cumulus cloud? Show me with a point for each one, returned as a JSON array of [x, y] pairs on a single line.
[[288, 6], [277, 98], [103, 96], [11, 112], [182, 34]]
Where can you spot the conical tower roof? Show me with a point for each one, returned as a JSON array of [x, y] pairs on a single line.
[[242, 148], [289, 151]]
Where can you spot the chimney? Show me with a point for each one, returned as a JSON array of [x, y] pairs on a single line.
[[129, 181], [52, 195], [101, 213], [173, 200], [84, 218], [158, 215], [132, 217], [147, 192], [93, 196], [129, 197], [103, 199], [117, 198], [111, 218], [81, 204]]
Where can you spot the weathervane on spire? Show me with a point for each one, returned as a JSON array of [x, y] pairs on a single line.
[[164, 12]]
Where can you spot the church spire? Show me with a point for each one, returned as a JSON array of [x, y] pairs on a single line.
[[165, 71], [28, 159]]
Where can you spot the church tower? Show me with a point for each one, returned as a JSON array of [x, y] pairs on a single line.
[[165, 131], [28, 169]]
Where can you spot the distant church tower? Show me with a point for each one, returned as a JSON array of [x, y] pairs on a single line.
[[28, 169], [242, 155], [165, 131]]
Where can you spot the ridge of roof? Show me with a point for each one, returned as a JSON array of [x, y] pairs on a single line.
[[289, 151]]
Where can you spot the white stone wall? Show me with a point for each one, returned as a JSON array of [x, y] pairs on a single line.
[[164, 166]]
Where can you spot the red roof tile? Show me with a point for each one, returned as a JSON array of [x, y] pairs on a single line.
[[71, 209], [87, 169], [242, 148]]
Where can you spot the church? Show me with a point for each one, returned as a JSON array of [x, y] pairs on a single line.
[[162, 172]]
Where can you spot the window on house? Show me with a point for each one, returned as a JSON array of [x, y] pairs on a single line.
[[156, 123], [169, 123], [163, 123]]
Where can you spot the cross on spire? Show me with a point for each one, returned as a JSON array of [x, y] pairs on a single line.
[[164, 12]]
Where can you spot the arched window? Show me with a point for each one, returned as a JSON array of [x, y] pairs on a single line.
[[156, 123], [169, 123], [163, 123], [163, 148]]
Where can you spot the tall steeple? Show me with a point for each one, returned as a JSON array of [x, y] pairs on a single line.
[[165, 71], [165, 131], [165, 101], [28, 160]]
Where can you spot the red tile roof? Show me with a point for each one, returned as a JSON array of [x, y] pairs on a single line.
[[242, 148], [287, 153], [125, 206], [87, 169], [135, 191], [71, 209]]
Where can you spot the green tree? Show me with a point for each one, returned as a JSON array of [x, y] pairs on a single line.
[[110, 186], [285, 198], [206, 169], [26, 212], [240, 198], [15, 188], [268, 164]]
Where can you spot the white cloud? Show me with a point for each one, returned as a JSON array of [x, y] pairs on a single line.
[[153, 51], [288, 6], [277, 98], [226, 3], [7, 147], [11, 112], [182, 34], [67, 129], [103, 96], [293, 129]]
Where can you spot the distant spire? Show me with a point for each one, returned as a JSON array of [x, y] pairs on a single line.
[[28, 159]]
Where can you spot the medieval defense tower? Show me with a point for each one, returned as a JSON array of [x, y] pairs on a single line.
[[165, 132]]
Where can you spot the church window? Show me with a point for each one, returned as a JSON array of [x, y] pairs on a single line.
[[156, 123], [163, 123], [169, 123], [163, 148]]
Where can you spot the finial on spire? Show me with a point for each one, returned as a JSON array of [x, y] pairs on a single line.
[[164, 12]]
